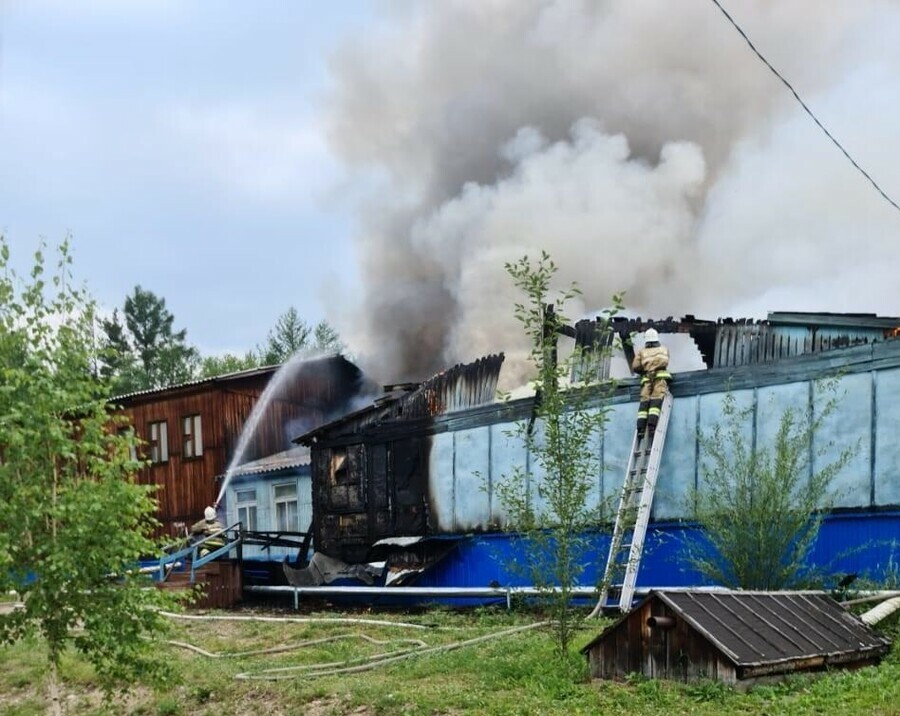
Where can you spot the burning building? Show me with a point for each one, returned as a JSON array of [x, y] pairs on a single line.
[[412, 477]]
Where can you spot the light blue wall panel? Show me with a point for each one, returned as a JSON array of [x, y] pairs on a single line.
[[507, 451], [711, 414], [677, 468], [536, 472], [772, 402], [594, 446], [472, 503], [440, 473], [849, 426], [617, 443], [887, 438]]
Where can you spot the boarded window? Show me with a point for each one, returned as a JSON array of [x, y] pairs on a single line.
[[286, 514], [246, 508], [159, 442], [192, 434]]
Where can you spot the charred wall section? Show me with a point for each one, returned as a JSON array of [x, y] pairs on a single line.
[[370, 471]]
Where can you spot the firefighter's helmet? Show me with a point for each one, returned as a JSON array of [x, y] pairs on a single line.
[[651, 336], [209, 514]]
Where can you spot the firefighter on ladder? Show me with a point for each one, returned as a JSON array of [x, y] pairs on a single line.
[[652, 363]]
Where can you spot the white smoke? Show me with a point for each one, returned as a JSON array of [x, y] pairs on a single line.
[[641, 143]]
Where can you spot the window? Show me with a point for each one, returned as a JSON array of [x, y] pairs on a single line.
[[192, 435], [246, 508], [159, 442], [286, 518]]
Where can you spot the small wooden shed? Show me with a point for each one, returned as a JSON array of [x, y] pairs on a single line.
[[732, 636]]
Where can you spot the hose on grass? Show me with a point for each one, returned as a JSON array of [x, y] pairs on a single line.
[[373, 662], [882, 611], [288, 647], [293, 620]]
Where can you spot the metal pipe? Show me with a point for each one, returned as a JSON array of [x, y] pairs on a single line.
[[434, 592], [660, 622]]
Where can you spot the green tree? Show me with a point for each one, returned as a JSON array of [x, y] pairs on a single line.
[[117, 358], [761, 506], [211, 366], [292, 334], [147, 352], [73, 520], [550, 507]]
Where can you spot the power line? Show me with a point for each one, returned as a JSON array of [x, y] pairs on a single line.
[[808, 110]]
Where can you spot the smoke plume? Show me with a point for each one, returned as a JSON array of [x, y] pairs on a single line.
[[641, 143]]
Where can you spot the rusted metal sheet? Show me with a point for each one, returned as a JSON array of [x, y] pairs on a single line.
[[732, 636]]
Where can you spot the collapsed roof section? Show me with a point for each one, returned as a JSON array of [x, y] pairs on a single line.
[[730, 342], [464, 386]]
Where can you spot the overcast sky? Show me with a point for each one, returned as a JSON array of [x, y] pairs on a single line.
[[377, 162], [180, 144]]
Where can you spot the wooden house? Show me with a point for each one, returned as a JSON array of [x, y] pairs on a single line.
[[732, 636], [190, 432]]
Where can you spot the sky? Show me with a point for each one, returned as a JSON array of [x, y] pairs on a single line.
[[376, 163], [181, 146]]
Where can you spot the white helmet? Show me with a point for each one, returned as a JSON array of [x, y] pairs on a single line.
[[651, 336], [209, 514]]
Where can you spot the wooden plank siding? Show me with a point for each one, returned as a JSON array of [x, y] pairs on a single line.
[[187, 485], [718, 635], [310, 393]]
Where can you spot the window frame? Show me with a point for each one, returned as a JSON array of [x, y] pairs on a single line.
[[278, 501], [239, 504], [158, 444], [191, 439]]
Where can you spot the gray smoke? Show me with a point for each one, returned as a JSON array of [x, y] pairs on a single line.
[[641, 143]]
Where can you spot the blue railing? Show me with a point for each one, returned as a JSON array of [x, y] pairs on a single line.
[[192, 551]]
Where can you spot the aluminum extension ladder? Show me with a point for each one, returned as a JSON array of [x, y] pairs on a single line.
[[633, 515]]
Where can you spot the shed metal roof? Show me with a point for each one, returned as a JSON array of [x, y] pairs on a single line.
[[765, 628], [286, 460]]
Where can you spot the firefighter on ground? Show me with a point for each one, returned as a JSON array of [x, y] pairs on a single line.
[[652, 363], [207, 527]]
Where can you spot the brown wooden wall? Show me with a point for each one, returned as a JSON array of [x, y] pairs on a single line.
[[187, 485], [679, 654], [312, 392]]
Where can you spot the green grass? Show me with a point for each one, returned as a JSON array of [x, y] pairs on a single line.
[[518, 674]]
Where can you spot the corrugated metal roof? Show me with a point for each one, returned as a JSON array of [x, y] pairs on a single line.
[[292, 458], [754, 628], [199, 381]]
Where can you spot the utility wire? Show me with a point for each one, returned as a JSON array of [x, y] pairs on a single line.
[[808, 110]]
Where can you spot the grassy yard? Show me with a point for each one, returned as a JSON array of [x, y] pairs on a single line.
[[514, 674]]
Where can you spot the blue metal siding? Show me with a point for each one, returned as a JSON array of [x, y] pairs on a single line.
[[867, 544]]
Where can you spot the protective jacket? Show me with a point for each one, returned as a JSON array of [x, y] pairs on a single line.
[[651, 363]]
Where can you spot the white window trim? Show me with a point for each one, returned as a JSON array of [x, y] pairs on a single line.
[[246, 504], [192, 434], [159, 441], [282, 500]]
